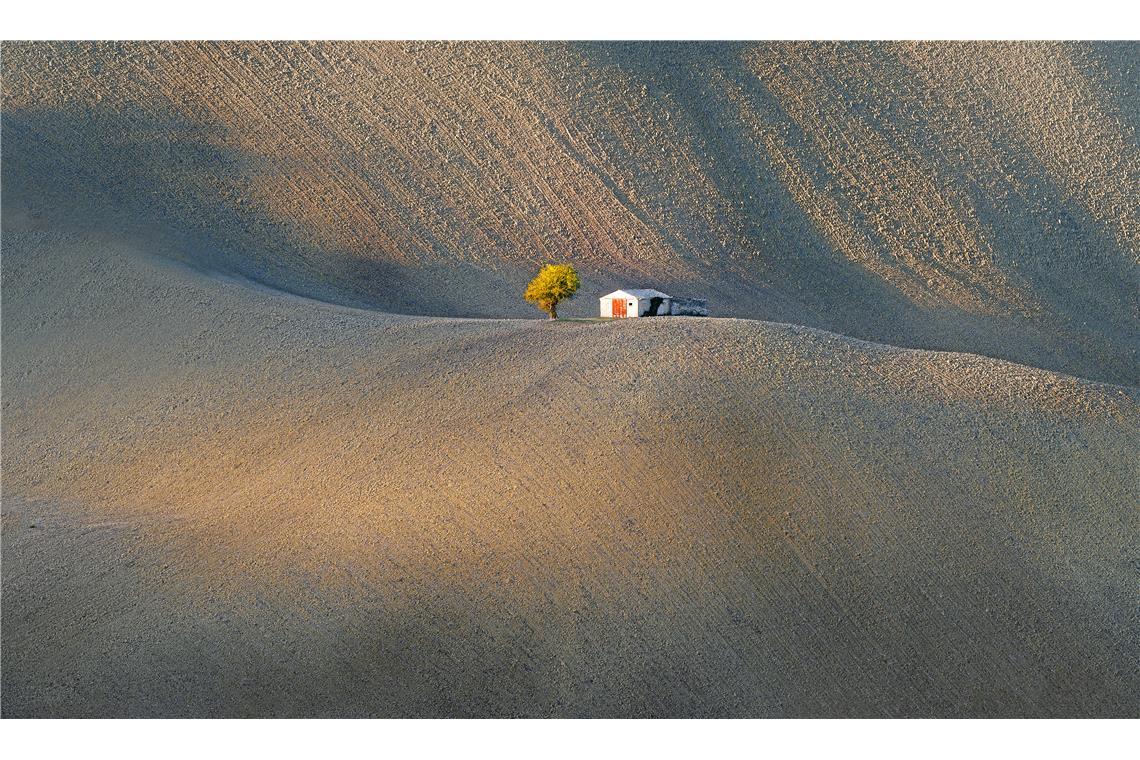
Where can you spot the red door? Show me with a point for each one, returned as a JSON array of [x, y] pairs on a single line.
[[617, 308]]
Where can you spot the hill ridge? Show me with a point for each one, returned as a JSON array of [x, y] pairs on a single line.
[[938, 194]]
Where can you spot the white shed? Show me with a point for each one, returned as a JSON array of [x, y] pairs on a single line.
[[635, 302]]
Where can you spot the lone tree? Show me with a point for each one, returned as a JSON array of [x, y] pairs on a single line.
[[554, 284]]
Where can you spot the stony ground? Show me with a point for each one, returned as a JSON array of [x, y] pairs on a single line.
[[221, 500], [259, 459], [977, 197]]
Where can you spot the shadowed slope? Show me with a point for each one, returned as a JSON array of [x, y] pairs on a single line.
[[976, 197], [220, 500]]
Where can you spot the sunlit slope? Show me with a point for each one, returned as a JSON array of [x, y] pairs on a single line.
[[975, 197], [228, 501]]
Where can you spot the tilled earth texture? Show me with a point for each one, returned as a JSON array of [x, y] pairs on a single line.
[[281, 438]]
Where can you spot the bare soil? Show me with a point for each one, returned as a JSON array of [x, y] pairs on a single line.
[[224, 501], [276, 442]]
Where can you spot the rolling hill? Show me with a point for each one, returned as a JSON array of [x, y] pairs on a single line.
[[274, 446], [970, 197]]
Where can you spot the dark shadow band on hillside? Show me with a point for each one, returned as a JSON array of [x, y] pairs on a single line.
[[1088, 322], [166, 181]]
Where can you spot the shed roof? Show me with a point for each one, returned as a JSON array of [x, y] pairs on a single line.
[[638, 293]]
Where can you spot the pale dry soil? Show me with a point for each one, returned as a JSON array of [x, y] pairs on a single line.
[[976, 197], [224, 500], [255, 463]]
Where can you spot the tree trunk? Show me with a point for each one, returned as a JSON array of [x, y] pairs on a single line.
[[554, 312]]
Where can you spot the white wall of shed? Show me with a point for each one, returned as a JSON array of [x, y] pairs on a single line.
[[634, 307]]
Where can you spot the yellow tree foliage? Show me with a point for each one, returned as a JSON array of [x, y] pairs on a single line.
[[554, 284]]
